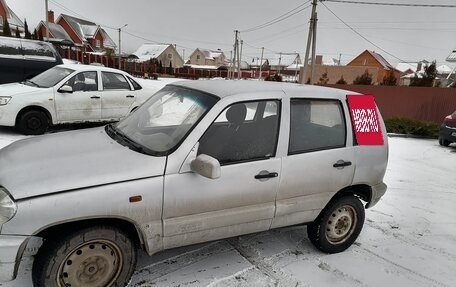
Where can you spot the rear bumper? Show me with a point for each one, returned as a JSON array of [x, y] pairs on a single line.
[[377, 192], [11, 249]]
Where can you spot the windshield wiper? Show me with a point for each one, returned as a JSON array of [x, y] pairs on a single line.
[[124, 139], [33, 83]]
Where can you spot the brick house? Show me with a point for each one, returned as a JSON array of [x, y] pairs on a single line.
[[205, 57], [57, 35], [88, 35], [370, 59], [7, 14]]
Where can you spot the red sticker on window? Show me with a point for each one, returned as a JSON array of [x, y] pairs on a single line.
[[365, 119]]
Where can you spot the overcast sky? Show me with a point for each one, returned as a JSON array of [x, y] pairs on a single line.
[[407, 33]]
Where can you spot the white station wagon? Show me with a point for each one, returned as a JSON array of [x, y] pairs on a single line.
[[198, 161], [70, 93]]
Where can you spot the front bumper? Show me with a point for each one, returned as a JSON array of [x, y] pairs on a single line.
[[377, 192], [7, 116], [11, 249], [447, 133]]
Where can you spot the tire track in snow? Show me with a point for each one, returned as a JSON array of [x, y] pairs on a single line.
[[397, 265], [279, 277], [148, 274]]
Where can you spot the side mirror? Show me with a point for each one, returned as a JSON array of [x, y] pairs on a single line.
[[206, 166], [66, 89]]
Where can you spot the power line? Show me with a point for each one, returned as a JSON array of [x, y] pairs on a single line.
[[394, 4], [362, 36], [282, 17]]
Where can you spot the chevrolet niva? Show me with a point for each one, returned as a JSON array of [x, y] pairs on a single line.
[[198, 161]]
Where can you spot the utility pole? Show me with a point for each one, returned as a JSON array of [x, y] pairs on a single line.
[[120, 49], [261, 62], [280, 62], [183, 55], [314, 45], [240, 59], [236, 52], [47, 19], [310, 39]]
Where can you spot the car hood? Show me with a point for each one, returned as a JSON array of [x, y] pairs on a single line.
[[71, 160], [16, 89]]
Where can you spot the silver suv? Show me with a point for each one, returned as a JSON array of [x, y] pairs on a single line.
[[198, 161]]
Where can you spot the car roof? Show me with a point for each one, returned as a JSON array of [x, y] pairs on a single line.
[[82, 67], [227, 88]]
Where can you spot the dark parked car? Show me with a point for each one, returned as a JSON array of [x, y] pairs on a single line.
[[22, 59], [447, 133]]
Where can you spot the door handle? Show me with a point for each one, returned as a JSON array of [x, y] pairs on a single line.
[[266, 175], [342, 164], [130, 96], [95, 97]]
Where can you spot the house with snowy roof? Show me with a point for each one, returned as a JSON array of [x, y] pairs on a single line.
[[371, 59], [88, 35], [164, 53], [6, 14], [57, 35], [205, 57]]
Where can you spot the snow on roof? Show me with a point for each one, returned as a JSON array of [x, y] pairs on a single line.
[[13, 19], [285, 60], [381, 60], [89, 30], [150, 51], [108, 41], [403, 67], [202, 67], [210, 54], [57, 31], [444, 69], [452, 57]]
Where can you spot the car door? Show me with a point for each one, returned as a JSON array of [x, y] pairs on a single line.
[[320, 160], [117, 96], [243, 139], [84, 103]]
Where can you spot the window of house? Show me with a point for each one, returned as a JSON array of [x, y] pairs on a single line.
[[316, 125], [197, 57], [84, 82], [98, 43], [243, 132], [170, 56], [365, 62], [114, 81]]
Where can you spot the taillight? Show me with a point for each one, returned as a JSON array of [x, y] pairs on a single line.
[[449, 119]]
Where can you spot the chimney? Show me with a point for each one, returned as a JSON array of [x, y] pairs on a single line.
[[50, 16], [318, 60], [418, 68]]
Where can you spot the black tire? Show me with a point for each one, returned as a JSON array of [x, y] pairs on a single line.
[[33, 123], [443, 142], [338, 225], [93, 256]]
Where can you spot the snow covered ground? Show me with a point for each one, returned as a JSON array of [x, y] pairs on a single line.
[[409, 238]]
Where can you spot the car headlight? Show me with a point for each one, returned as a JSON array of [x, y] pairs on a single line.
[[4, 100], [7, 206]]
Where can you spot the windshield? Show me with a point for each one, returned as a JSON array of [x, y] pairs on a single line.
[[163, 121], [49, 78]]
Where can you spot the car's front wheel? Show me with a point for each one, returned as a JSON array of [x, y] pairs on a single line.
[[33, 123], [94, 256], [338, 225]]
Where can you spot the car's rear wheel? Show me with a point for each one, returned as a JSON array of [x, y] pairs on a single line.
[[338, 225], [443, 142], [94, 256], [33, 122]]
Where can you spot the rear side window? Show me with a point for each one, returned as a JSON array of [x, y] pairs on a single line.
[[38, 51], [135, 84], [114, 81], [316, 125], [10, 48]]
